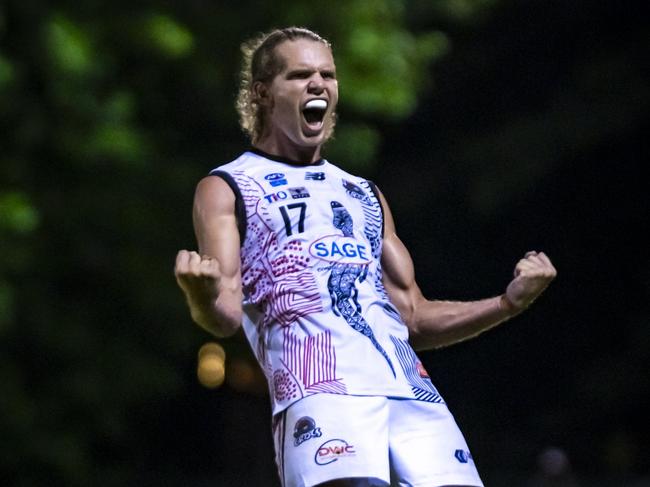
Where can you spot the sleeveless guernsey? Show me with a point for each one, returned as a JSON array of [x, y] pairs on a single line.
[[316, 313]]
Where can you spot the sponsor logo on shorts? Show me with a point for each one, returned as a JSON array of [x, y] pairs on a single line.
[[276, 179], [305, 429], [333, 450], [463, 456]]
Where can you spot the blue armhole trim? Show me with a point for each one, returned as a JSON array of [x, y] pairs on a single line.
[[240, 208], [373, 188]]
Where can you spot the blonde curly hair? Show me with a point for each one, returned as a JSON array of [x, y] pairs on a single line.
[[261, 63]]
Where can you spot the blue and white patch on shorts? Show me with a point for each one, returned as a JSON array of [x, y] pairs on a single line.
[[305, 429]]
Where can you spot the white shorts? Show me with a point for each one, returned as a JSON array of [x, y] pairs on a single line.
[[378, 440]]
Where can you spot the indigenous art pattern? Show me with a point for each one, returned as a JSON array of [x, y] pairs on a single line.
[[373, 230], [312, 361], [341, 284], [271, 270], [421, 385]]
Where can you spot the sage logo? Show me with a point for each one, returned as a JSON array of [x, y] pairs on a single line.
[[338, 249], [333, 450]]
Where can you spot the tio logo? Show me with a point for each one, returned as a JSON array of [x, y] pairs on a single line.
[[280, 195], [332, 450]]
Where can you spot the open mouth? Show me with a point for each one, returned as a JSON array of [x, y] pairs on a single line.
[[314, 112]]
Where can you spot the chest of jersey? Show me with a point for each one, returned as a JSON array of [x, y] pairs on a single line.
[[324, 216]]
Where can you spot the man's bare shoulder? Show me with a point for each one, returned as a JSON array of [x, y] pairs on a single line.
[[213, 191]]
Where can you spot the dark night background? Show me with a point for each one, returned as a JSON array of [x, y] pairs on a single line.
[[493, 127]]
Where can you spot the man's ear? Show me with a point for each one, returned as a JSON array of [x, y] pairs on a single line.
[[261, 94]]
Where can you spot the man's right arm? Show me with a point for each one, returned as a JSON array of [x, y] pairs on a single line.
[[211, 277]]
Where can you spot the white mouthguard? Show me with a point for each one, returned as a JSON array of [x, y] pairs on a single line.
[[322, 104]]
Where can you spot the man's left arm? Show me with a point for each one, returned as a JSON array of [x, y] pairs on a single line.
[[437, 323]]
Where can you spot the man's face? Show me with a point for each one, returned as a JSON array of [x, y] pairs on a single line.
[[303, 96]]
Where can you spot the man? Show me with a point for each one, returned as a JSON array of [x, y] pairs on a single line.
[[305, 255]]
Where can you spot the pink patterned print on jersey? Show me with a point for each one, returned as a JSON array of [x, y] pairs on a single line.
[[293, 296], [255, 279], [284, 386], [273, 276], [312, 361]]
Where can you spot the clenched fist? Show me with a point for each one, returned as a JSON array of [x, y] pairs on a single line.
[[198, 276], [532, 274], [214, 297]]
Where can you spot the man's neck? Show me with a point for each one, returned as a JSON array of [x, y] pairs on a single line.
[[304, 155]]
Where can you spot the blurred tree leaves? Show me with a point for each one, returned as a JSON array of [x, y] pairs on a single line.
[[17, 215], [167, 36], [69, 47], [6, 72]]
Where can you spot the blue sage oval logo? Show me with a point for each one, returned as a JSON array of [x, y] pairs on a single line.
[[276, 179], [304, 430], [338, 249]]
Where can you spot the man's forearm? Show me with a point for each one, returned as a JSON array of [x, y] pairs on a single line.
[[435, 324], [221, 317]]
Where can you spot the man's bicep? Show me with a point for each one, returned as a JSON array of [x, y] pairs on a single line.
[[398, 272], [397, 268], [215, 223]]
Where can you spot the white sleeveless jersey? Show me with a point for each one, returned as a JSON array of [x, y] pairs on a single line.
[[316, 313]]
